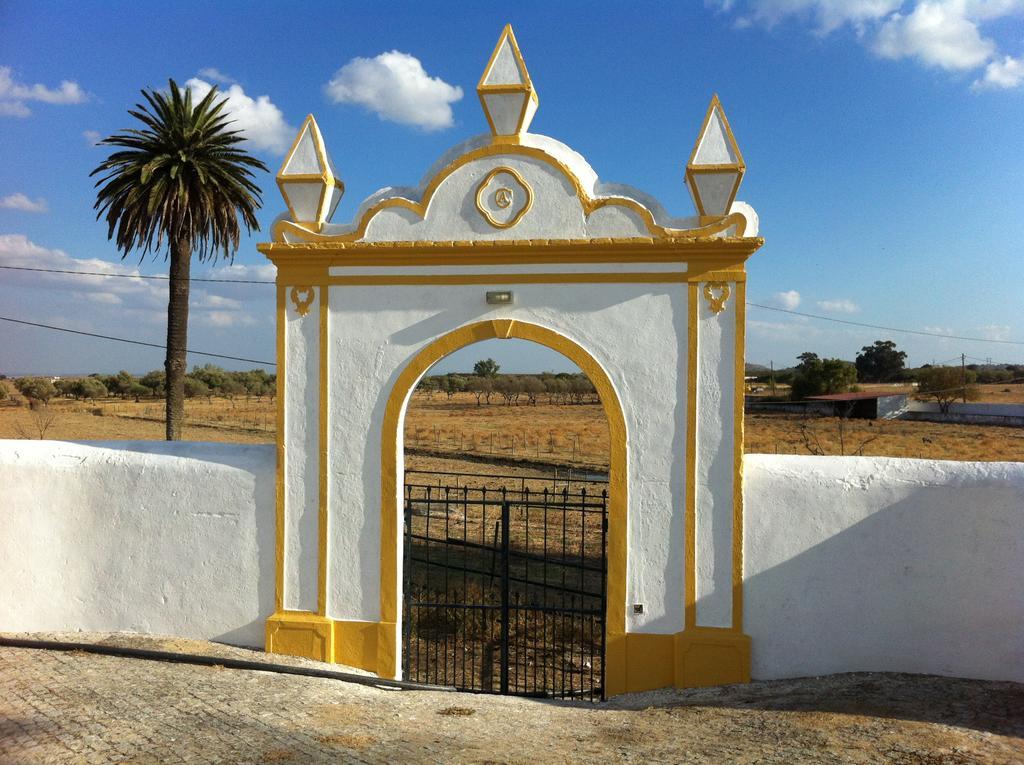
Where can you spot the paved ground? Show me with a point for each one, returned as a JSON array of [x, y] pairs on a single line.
[[80, 708]]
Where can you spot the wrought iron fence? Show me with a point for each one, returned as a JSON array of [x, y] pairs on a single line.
[[505, 590]]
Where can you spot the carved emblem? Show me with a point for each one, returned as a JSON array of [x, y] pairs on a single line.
[[503, 197], [302, 297], [716, 302]]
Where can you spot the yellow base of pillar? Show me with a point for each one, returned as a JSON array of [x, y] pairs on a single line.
[[634, 662], [697, 657], [364, 645], [300, 633]]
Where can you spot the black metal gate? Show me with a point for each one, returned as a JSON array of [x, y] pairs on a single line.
[[505, 591]]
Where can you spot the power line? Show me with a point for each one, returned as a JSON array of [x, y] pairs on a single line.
[[132, 276], [887, 329], [755, 305], [133, 342]]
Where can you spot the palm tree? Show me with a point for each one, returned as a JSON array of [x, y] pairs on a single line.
[[178, 186]]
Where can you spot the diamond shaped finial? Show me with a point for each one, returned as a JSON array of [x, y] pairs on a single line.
[[716, 167], [308, 180], [505, 89]]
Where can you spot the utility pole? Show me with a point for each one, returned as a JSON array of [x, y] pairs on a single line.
[[963, 376], [772, 376]]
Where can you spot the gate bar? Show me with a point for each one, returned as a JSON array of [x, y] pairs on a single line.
[[505, 515]]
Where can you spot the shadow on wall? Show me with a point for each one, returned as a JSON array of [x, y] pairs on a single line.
[[162, 538], [884, 565], [252, 634]]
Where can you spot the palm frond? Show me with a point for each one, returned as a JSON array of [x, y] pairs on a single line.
[[181, 176]]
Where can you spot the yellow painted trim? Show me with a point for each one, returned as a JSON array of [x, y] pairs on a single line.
[[711, 656], [300, 633], [737, 475], [526, 86], [282, 325], [717, 276], [690, 509], [517, 54], [690, 244], [322, 525], [721, 259], [600, 278], [692, 169], [699, 656], [365, 645], [326, 177], [617, 499], [302, 298], [717, 302], [487, 213], [710, 170], [590, 204], [716, 105]]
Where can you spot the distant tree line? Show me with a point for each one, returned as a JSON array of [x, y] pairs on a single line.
[[489, 386], [883, 362], [208, 380]]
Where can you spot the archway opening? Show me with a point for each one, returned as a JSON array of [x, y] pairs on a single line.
[[507, 480]]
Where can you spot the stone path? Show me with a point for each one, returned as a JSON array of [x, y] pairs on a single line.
[[80, 708]]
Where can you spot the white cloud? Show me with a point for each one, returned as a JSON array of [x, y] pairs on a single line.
[[266, 272], [92, 137], [233, 319], [826, 15], [945, 34], [395, 87], [19, 201], [226, 319], [995, 332], [841, 305], [19, 251], [14, 95], [1004, 73], [790, 300], [105, 298], [214, 74], [937, 34], [206, 300], [258, 118], [14, 109]]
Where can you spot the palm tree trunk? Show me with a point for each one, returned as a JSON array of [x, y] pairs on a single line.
[[176, 363]]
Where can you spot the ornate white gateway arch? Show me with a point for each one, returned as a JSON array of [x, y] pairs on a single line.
[[651, 307]]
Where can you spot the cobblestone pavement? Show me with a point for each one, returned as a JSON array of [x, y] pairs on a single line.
[[74, 707]]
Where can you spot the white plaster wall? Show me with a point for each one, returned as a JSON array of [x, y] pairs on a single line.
[[165, 538], [302, 456], [611, 221], [637, 333], [716, 344], [877, 564], [995, 410], [851, 563], [452, 213]]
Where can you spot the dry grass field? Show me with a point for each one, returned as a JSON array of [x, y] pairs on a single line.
[[518, 436], [65, 419], [569, 434]]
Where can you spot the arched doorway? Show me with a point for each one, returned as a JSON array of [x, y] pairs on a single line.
[[518, 575]]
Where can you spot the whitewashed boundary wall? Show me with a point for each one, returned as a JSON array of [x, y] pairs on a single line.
[[851, 563], [156, 537], [973, 413], [883, 564]]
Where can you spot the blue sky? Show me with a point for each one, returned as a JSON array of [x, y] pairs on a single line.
[[884, 143]]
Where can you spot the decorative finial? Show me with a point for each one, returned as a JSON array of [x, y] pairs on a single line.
[[505, 89], [716, 167], [307, 179]]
